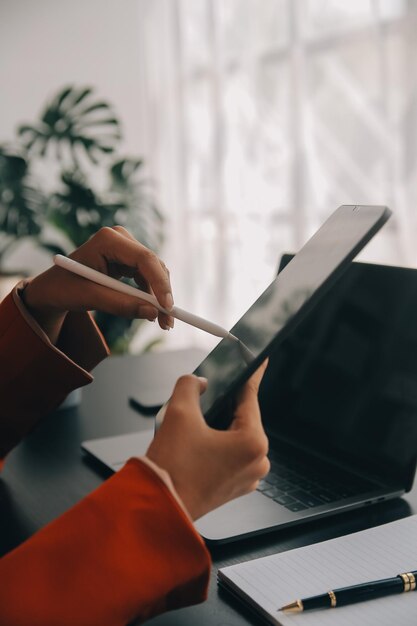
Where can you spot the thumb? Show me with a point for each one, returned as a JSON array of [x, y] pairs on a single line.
[[185, 399], [252, 385], [247, 414]]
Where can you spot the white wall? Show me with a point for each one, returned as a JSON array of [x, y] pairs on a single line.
[[46, 44]]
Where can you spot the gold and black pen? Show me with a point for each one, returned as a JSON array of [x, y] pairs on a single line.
[[356, 593]]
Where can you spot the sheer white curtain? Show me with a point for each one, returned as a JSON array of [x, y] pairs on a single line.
[[262, 116]]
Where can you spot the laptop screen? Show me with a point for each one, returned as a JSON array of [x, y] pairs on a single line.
[[344, 382]]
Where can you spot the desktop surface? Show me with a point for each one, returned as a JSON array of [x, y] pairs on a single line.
[[47, 474]]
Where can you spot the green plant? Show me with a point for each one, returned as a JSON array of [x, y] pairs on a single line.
[[94, 186], [21, 202], [72, 120]]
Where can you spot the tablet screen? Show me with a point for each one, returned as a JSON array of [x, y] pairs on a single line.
[[282, 305]]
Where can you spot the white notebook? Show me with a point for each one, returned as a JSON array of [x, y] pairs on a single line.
[[381, 552]]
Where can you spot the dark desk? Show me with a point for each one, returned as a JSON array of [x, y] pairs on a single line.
[[47, 474]]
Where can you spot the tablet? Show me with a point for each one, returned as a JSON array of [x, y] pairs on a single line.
[[276, 313]]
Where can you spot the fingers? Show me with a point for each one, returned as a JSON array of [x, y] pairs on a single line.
[[252, 385], [185, 400], [165, 321], [123, 231], [143, 281], [119, 248], [116, 252], [110, 301], [247, 414], [259, 469]]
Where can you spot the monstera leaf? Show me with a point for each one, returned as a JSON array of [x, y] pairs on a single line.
[[78, 211], [22, 205], [73, 122]]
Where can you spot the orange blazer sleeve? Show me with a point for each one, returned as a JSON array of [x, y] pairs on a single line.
[[35, 375], [126, 551]]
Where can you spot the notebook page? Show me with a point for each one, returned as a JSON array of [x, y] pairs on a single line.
[[381, 552]]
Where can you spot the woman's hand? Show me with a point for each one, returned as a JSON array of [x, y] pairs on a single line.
[[113, 251], [210, 467]]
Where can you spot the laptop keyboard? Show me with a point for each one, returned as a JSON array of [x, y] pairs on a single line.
[[298, 487]]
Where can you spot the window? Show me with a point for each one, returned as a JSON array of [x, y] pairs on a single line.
[[263, 116]]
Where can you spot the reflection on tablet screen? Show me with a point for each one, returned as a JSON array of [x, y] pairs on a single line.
[[254, 331], [292, 294]]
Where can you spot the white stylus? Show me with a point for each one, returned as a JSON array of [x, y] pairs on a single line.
[[112, 283]]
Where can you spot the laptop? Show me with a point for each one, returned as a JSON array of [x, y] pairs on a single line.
[[313, 477], [339, 405]]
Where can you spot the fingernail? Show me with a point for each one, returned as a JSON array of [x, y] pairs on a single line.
[[171, 322], [169, 301], [203, 379]]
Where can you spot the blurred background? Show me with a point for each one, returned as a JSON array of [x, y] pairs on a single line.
[[221, 132]]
